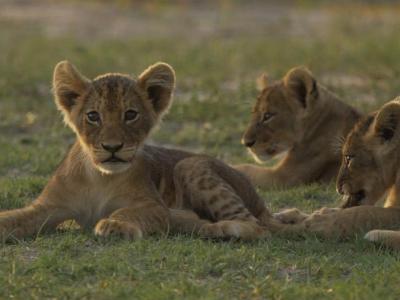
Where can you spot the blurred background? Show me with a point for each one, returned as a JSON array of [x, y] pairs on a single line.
[[218, 49]]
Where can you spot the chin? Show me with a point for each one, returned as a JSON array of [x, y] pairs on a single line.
[[113, 168], [264, 156], [260, 158]]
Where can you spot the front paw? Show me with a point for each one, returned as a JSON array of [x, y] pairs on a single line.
[[388, 238], [329, 224], [327, 210], [291, 216], [227, 229], [126, 230]]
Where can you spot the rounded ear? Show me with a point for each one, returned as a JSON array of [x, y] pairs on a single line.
[[68, 85], [302, 85], [158, 81], [386, 123], [262, 82]]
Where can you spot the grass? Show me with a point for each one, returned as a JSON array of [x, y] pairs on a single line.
[[216, 73]]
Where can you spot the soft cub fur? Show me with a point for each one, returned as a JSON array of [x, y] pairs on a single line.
[[299, 116], [370, 170], [112, 182]]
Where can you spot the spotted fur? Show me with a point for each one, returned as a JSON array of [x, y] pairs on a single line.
[[112, 182]]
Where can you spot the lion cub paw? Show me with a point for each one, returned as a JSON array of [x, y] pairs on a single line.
[[291, 216], [327, 210], [378, 235], [234, 229], [296, 216], [388, 238], [126, 230]]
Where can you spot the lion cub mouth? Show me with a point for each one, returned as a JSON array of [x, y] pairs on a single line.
[[271, 151], [354, 199], [114, 159]]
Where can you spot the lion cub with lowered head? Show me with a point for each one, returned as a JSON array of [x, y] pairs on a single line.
[[299, 116], [370, 169], [112, 182]]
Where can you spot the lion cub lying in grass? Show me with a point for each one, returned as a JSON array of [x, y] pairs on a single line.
[[370, 169], [299, 116], [112, 182]]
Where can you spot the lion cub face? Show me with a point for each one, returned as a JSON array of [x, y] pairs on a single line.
[[113, 114], [277, 117], [369, 163]]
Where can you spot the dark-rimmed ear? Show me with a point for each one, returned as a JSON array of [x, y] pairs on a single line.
[[301, 85], [387, 121], [262, 82], [68, 85], [158, 81]]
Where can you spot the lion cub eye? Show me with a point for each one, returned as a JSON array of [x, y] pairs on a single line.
[[347, 159], [131, 115], [267, 116], [93, 117]]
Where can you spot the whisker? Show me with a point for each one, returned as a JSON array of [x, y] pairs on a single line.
[[126, 150], [129, 149], [337, 143]]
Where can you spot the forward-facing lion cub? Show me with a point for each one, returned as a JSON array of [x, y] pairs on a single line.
[[370, 170], [301, 117], [112, 182]]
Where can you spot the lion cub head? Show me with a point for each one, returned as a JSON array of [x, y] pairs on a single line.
[[112, 114], [277, 117], [369, 157]]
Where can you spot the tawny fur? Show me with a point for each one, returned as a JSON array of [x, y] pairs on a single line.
[[143, 189], [301, 118], [370, 170]]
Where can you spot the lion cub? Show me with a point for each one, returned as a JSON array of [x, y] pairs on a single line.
[[111, 181], [370, 170], [301, 118]]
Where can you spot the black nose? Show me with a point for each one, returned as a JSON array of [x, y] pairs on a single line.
[[112, 147], [249, 144]]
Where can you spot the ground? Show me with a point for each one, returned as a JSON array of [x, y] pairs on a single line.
[[218, 48]]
